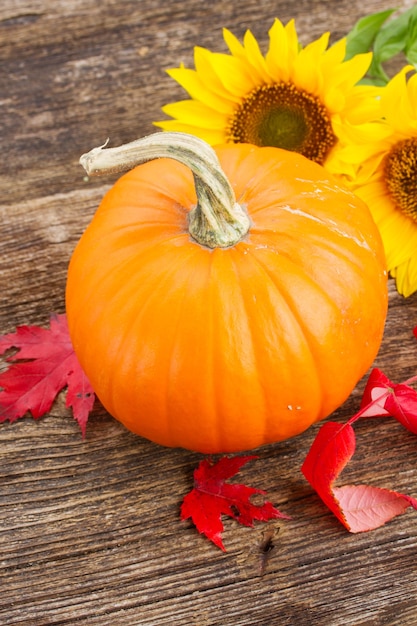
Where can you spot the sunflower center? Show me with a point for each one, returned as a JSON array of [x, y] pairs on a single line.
[[283, 116], [400, 175]]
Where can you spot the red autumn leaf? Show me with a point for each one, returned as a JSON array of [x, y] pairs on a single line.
[[375, 393], [366, 508], [44, 364], [212, 497], [358, 507], [382, 397]]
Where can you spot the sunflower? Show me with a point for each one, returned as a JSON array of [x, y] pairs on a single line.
[[387, 176], [298, 98]]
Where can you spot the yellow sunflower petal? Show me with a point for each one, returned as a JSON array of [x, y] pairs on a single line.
[[211, 136], [307, 65], [351, 71], [203, 60], [412, 88], [190, 80], [337, 87], [400, 239], [249, 52], [255, 56], [233, 43], [234, 74], [374, 195], [406, 277], [196, 113], [398, 103], [334, 56], [395, 102], [315, 50], [358, 136], [283, 50], [363, 104]]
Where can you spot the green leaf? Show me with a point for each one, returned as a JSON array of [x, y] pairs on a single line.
[[390, 41], [362, 36], [392, 38], [410, 50]]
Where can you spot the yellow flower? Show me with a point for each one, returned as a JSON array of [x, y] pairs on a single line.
[[387, 177], [298, 98]]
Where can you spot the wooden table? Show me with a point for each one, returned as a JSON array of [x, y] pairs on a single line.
[[89, 529]]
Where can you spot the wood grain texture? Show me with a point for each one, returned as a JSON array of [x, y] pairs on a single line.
[[89, 530]]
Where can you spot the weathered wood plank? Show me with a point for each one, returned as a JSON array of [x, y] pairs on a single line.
[[89, 529]]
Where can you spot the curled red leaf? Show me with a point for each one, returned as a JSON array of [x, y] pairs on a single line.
[[382, 397], [365, 507], [358, 507]]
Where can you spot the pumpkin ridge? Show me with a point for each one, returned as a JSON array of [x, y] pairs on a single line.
[[252, 344], [319, 365], [208, 397], [296, 317], [177, 203], [244, 422], [210, 333], [164, 209], [124, 265], [149, 293], [280, 210], [310, 242], [163, 355], [176, 177], [189, 290], [170, 425], [169, 211]]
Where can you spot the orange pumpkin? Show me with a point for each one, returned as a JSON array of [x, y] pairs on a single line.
[[222, 345]]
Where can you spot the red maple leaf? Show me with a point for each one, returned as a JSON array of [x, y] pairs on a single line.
[[44, 364], [358, 507], [382, 397], [212, 497]]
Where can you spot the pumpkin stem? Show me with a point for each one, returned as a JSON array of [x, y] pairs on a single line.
[[217, 221]]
